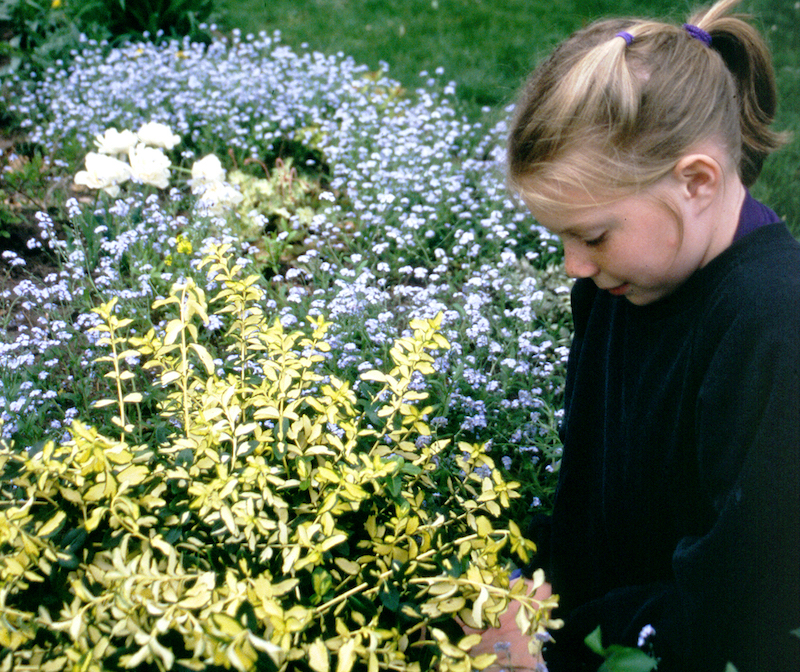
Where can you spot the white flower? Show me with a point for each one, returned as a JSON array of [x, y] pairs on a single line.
[[103, 172], [115, 142], [158, 135], [149, 166], [206, 171], [217, 197], [646, 632]]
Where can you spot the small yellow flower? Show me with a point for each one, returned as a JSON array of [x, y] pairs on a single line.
[[183, 246], [168, 260], [55, 4]]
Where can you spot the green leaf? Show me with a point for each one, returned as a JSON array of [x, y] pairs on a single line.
[[348, 566], [322, 580], [347, 656], [174, 328], [484, 526], [170, 377], [227, 517], [333, 541], [594, 640], [619, 658], [134, 474], [394, 485], [375, 376], [390, 597], [318, 657], [205, 357], [625, 659], [227, 624], [363, 605]]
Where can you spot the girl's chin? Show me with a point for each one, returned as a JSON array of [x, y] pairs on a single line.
[[620, 290]]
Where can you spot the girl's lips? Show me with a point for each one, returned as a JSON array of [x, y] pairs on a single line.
[[620, 290]]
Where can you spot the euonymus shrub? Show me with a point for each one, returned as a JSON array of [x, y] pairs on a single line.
[[276, 521]]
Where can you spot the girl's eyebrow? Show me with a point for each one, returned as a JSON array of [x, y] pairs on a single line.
[[583, 230]]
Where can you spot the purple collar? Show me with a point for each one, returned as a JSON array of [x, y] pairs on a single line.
[[754, 215]]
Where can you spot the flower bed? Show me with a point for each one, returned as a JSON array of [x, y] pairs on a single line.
[[345, 201], [367, 204]]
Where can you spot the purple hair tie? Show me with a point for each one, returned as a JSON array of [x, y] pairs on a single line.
[[698, 33], [625, 36]]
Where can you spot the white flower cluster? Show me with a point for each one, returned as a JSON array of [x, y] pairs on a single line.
[[208, 182], [147, 162]]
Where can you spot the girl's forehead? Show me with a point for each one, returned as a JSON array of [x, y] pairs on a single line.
[[551, 199], [577, 221], [580, 210]]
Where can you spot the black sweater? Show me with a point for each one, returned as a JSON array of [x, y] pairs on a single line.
[[678, 502]]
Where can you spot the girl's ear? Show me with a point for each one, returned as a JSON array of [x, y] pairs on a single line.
[[700, 177]]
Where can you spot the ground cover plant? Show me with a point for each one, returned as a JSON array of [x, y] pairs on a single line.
[[346, 199], [271, 525]]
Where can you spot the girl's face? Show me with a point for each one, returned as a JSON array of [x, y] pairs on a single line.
[[634, 246]]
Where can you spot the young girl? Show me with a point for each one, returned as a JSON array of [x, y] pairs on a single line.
[[678, 504]]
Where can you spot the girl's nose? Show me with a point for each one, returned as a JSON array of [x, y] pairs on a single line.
[[578, 261]]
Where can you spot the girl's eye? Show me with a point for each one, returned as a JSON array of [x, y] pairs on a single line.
[[594, 242]]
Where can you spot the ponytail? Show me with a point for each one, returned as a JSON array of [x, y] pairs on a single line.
[[748, 59]]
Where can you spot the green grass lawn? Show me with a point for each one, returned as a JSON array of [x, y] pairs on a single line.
[[488, 46]]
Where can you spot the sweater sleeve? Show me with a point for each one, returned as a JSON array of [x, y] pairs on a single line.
[[735, 591], [739, 584], [539, 526]]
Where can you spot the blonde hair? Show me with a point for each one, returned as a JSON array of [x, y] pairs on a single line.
[[603, 113]]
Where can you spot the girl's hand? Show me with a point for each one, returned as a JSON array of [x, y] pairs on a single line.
[[510, 646]]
